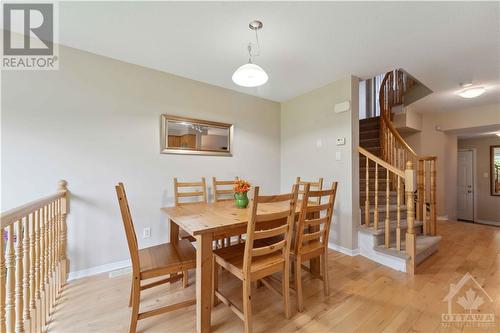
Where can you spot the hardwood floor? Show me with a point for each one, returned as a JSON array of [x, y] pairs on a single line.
[[364, 296]]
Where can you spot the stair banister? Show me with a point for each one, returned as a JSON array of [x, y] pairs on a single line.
[[411, 241], [33, 268]]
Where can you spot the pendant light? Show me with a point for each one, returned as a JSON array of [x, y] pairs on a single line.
[[251, 75]]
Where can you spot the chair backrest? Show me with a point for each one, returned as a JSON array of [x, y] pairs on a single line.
[[317, 186], [198, 191], [315, 215], [129, 227], [223, 189], [278, 237]]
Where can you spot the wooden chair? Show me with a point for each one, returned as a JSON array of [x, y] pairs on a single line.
[[198, 193], [251, 262], [311, 235], [318, 186], [224, 191], [153, 262]]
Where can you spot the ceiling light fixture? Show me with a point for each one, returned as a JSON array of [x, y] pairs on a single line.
[[251, 75], [471, 92]]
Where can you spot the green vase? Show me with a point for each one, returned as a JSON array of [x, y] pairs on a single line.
[[241, 200]]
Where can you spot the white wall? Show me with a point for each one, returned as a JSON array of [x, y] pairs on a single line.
[[96, 121], [309, 128]]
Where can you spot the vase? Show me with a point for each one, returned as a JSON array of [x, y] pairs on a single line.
[[241, 200]]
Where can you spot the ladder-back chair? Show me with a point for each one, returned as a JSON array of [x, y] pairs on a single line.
[[318, 186], [311, 236], [224, 191], [153, 262], [255, 260]]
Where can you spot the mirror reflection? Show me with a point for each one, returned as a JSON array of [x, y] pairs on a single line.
[[191, 136]]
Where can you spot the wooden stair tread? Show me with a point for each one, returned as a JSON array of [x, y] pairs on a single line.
[[422, 244], [393, 224]]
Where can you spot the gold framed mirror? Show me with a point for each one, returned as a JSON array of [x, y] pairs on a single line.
[[180, 135], [495, 170]]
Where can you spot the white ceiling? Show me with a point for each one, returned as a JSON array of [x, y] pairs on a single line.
[[303, 45]]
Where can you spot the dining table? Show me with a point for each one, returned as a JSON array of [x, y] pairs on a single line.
[[209, 221]]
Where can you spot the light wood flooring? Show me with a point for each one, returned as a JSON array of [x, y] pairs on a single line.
[[364, 297]]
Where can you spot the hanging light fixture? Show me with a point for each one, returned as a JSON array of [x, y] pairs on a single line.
[[251, 75]]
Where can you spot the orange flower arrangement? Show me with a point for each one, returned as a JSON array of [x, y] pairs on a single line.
[[241, 186]]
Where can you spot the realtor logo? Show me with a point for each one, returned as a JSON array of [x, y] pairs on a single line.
[[470, 296], [29, 36]]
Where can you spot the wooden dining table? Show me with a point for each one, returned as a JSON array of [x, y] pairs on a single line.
[[206, 222]]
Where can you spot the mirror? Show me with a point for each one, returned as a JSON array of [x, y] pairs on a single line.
[[495, 170], [194, 136]]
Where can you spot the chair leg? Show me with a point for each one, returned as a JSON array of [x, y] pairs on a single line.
[[185, 279], [136, 294], [131, 292], [298, 285], [286, 289], [326, 285], [247, 305]]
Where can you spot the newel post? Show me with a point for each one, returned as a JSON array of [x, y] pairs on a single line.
[[62, 187], [410, 218]]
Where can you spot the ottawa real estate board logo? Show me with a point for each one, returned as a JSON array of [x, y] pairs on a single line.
[[29, 36], [469, 305]]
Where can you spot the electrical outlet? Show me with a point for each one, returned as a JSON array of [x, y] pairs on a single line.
[[146, 232]]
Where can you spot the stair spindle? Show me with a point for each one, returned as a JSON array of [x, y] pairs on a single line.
[[375, 213], [19, 299], [398, 217], [26, 270], [367, 193], [387, 212], [3, 275]]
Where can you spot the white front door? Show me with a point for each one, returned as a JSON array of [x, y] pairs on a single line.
[[465, 186]]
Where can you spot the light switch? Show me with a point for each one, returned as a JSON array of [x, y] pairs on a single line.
[[319, 143], [340, 141], [337, 156]]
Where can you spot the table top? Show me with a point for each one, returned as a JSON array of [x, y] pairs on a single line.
[[202, 218]]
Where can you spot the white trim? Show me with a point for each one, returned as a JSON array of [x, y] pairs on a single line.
[[99, 269], [344, 250], [494, 223]]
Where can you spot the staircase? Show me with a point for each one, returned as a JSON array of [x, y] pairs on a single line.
[[398, 223]]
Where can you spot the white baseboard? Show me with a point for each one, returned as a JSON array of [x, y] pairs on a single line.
[[99, 269], [495, 223], [344, 250]]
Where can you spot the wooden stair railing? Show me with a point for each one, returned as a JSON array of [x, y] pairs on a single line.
[[399, 161], [397, 152], [33, 262], [405, 182]]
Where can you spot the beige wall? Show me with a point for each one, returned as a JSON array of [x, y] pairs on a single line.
[[443, 144], [96, 121], [488, 206], [309, 128], [468, 118]]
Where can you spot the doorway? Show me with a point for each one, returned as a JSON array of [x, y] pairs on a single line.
[[465, 185]]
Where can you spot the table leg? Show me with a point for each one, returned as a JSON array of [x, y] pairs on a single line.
[[203, 282], [174, 233]]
